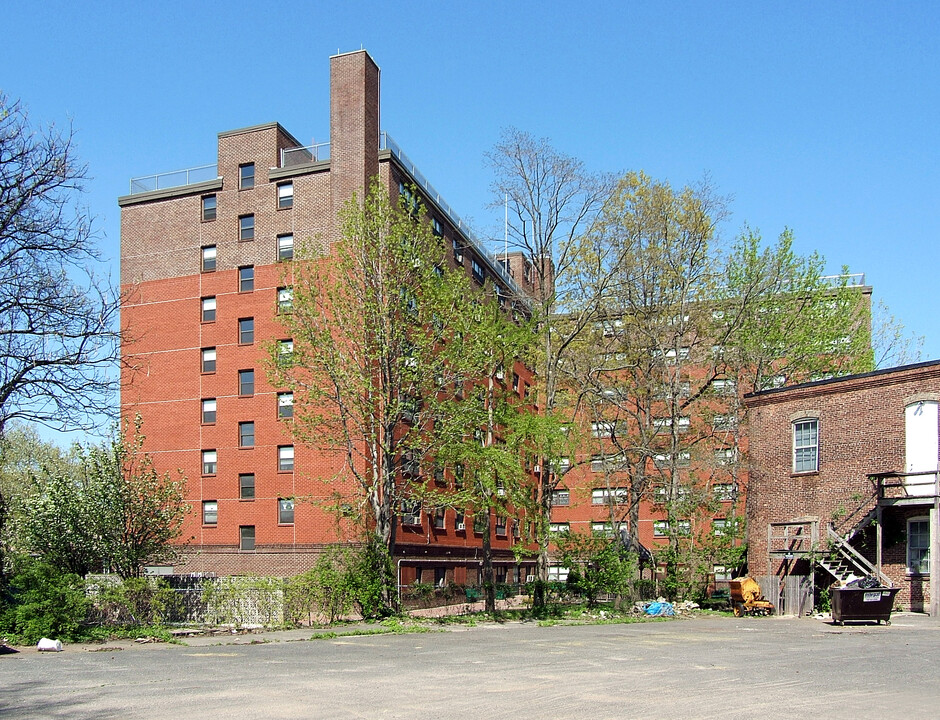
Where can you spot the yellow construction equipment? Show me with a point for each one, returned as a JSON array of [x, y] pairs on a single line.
[[746, 598]]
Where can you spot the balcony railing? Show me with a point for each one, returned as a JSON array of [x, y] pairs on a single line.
[[894, 486], [176, 178], [848, 279]]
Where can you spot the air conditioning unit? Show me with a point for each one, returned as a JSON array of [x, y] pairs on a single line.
[[537, 469], [530, 578], [461, 526]]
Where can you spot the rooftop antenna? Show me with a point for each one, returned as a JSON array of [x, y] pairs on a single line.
[[506, 233]]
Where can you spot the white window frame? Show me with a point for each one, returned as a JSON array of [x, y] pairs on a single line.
[[210, 512], [285, 299], [285, 195], [285, 405], [285, 247], [285, 510], [210, 258], [800, 465], [285, 458], [210, 462], [922, 551], [208, 356]]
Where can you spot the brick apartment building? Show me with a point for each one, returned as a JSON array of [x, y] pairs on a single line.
[[848, 464], [204, 270]]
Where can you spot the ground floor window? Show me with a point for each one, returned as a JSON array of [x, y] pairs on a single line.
[[918, 546]]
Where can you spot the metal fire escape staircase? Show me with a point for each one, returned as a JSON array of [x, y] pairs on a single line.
[[844, 562]]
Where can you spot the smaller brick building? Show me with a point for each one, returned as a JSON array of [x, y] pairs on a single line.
[[843, 478]]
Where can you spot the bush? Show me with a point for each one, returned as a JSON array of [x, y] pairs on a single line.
[[327, 590], [42, 601], [136, 602]]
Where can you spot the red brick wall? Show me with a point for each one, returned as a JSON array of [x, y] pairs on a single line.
[[861, 431]]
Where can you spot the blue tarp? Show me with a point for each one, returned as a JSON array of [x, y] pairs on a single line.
[[657, 609]]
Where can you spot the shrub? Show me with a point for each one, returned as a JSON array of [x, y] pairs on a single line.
[[42, 601]]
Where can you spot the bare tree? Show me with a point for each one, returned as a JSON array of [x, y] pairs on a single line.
[[58, 320], [553, 202]]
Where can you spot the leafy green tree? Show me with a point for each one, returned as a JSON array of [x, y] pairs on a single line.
[[377, 336], [596, 565], [109, 510]]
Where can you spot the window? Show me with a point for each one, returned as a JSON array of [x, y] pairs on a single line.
[[246, 382], [601, 463], [726, 456], [246, 227], [208, 207], [918, 546], [558, 528], [604, 529], [210, 460], [208, 309], [208, 360], [603, 496], [664, 460], [515, 382], [285, 352], [246, 537], [285, 247], [440, 519], [672, 356], [410, 512], [478, 273], [246, 486], [501, 526], [561, 498], [285, 299], [440, 577], [436, 228], [246, 331], [246, 278], [209, 254], [285, 195], [208, 411], [806, 445], [722, 386], [285, 458], [460, 522], [458, 252], [285, 405], [285, 512], [720, 526], [479, 523], [661, 527], [246, 434], [210, 512], [663, 425], [246, 176], [723, 492], [724, 422]]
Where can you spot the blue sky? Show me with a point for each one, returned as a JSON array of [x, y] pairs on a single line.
[[824, 117]]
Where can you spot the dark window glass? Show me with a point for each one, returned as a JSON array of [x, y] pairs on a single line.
[[246, 486], [246, 382], [209, 254], [246, 176], [246, 537], [210, 512], [285, 512], [285, 195], [246, 278], [246, 434], [208, 360], [246, 331], [246, 227], [208, 207], [208, 410]]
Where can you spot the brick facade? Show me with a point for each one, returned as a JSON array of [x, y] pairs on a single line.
[[164, 280], [861, 426]]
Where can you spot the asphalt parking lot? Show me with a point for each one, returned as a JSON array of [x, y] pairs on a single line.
[[685, 668]]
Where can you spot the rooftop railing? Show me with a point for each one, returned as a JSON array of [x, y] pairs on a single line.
[[175, 178], [848, 279], [303, 155], [387, 143]]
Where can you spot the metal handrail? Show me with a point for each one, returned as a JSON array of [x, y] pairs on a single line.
[[188, 176], [306, 154]]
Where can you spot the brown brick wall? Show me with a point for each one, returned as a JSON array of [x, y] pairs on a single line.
[[861, 432]]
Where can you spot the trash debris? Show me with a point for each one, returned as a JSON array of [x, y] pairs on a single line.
[[864, 583], [47, 645], [660, 609]]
